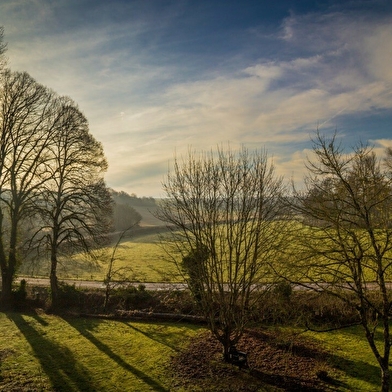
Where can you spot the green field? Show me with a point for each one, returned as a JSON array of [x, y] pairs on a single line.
[[139, 256], [40, 352]]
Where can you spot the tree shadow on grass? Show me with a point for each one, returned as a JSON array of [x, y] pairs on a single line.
[[39, 319], [357, 369], [354, 368], [84, 330], [57, 361], [160, 337]]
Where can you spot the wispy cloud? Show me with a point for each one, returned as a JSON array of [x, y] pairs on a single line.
[[147, 94], [279, 101]]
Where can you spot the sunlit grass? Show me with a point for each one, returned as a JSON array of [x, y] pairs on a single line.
[[45, 352], [144, 260], [141, 259], [49, 352], [353, 356]]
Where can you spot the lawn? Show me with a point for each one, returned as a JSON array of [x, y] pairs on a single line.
[[40, 352], [352, 355]]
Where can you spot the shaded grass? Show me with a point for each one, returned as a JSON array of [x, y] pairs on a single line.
[[52, 353], [351, 354], [40, 352]]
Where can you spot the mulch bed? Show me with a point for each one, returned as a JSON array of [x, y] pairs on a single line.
[[277, 362]]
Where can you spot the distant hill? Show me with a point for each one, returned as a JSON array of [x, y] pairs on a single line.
[[145, 206], [148, 219]]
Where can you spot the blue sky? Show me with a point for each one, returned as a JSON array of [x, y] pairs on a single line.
[[155, 78]]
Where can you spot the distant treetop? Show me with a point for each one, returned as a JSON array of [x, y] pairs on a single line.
[[122, 197]]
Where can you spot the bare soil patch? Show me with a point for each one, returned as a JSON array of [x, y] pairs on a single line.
[[277, 362]]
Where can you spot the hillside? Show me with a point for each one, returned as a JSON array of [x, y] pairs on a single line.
[[148, 219], [145, 206]]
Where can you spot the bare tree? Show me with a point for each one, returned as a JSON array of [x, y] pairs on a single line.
[[75, 205], [223, 212], [116, 275], [343, 242], [26, 129]]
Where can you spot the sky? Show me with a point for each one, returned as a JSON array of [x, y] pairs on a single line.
[[156, 78]]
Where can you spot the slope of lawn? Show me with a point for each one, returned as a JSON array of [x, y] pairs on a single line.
[[40, 352]]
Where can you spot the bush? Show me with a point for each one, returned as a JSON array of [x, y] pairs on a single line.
[[284, 307], [20, 294], [131, 298], [283, 290], [69, 296]]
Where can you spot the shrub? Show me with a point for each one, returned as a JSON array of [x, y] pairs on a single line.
[[283, 290], [20, 294], [282, 306], [69, 296], [131, 298]]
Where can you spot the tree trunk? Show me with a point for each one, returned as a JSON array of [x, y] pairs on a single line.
[[8, 273], [6, 291], [54, 287], [226, 348], [8, 268], [107, 295], [226, 341], [385, 379]]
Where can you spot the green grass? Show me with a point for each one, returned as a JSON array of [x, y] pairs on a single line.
[[140, 257], [41, 352], [145, 261], [352, 355], [45, 353]]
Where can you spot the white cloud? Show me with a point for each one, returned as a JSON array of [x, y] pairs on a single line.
[[377, 49], [267, 102], [144, 103]]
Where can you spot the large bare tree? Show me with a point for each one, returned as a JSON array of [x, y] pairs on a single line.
[[26, 130], [224, 215], [343, 242], [75, 204], [51, 174]]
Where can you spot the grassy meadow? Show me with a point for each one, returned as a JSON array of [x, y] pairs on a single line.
[[40, 352], [138, 256], [141, 258]]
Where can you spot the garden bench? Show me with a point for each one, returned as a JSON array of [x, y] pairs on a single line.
[[238, 358]]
